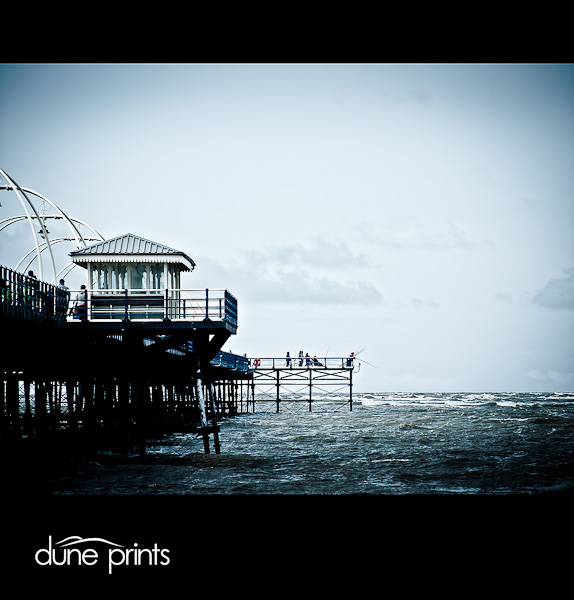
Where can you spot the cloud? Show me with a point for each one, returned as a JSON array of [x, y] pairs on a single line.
[[417, 303], [297, 274], [302, 287], [320, 253], [408, 232], [557, 293]]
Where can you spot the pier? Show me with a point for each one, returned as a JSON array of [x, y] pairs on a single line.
[[307, 380], [139, 364], [111, 383], [133, 354]]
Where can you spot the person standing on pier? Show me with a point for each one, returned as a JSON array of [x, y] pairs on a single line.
[[81, 304], [33, 289], [288, 360], [63, 285], [300, 358], [66, 301], [5, 287]]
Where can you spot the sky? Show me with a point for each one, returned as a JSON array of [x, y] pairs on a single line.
[[419, 214]]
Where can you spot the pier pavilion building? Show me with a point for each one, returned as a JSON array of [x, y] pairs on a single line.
[[132, 279], [132, 262]]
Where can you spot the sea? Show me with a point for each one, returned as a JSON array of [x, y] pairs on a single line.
[[388, 444]]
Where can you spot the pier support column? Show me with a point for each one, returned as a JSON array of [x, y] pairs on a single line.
[[211, 397], [3, 415], [140, 402], [123, 415], [28, 426], [201, 406], [70, 386], [310, 389], [278, 393], [203, 381], [40, 411], [12, 408], [351, 389]]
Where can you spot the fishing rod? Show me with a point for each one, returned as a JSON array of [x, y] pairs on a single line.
[[371, 365], [360, 349], [368, 363]]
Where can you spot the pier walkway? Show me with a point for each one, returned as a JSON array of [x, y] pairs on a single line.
[[303, 379]]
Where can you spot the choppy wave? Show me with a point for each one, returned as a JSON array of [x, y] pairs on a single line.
[[390, 443]]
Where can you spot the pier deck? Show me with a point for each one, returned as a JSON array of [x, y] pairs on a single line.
[[303, 379]]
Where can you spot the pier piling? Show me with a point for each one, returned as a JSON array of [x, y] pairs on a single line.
[[107, 384]]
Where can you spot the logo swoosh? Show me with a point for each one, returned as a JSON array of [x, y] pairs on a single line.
[[75, 539]]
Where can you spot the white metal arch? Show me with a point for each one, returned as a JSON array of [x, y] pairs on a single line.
[[39, 247], [43, 247], [11, 220], [25, 201], [69, 220], [78, 237]]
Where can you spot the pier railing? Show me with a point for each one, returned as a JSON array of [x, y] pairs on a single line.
[[244, 364], [27, 298], [231, 361], [153, 305], [298, 363]]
